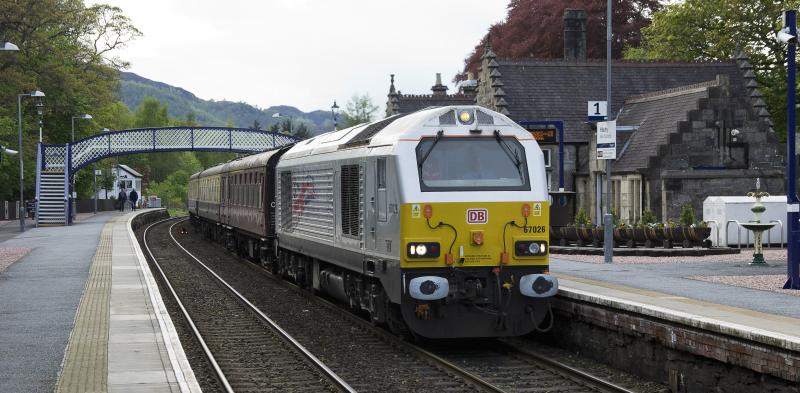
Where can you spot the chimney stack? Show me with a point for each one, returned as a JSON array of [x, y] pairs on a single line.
[[439, 89], [574, 35]]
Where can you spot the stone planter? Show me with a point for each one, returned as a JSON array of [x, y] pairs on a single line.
[[568, 235], [635, 237], [697, 237], [555, 235]]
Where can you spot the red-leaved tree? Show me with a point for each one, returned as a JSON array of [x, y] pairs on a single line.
[[535, 28]]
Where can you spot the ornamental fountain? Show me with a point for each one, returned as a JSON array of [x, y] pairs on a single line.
[[756, 226]]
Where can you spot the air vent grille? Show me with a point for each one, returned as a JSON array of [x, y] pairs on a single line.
[[484, 118], [350, 197]]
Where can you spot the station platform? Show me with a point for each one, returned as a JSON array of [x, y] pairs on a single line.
[[81, 312], [718, 307]]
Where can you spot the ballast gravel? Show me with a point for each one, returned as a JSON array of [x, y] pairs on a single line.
[[764, 282], [9, 255], [745, 256]]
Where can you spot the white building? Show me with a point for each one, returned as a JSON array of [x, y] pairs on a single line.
[[124, 178]]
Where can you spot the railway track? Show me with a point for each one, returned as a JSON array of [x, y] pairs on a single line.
[[247, 350], [478, 365]]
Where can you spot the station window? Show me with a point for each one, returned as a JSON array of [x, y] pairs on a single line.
[[546, 153]]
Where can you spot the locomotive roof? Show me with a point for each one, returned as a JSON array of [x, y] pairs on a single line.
[[411, 126]]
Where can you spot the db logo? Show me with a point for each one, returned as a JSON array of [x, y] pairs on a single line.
[[477, 216]]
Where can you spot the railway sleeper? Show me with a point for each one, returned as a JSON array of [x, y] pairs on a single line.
[[359, 292]]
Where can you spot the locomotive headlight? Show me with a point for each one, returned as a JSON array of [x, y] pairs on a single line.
[[530, 248], [465, 117], [422, 250]]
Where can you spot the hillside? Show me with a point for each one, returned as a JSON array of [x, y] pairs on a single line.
[[134, 88]]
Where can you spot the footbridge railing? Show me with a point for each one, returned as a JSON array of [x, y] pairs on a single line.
[[69, 158]]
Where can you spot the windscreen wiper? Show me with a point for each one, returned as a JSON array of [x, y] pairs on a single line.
[[514, 157], [428, 152]]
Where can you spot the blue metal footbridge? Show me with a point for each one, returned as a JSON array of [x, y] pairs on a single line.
[[57, 163]]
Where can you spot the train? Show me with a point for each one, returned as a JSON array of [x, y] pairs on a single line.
[[433, 223]]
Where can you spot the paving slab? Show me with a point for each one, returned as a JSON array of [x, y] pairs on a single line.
[[140, 351], [664, 291], [40, 295]]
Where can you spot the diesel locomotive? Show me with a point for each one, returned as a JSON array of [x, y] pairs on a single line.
[[433, 222]]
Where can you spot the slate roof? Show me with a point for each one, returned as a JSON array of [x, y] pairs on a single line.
[[130, 170], [657, 116], [559, 90], [412, 103]]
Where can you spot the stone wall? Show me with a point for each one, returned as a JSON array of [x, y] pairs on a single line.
[[686, 358]]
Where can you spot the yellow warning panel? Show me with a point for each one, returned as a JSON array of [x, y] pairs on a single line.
[[480, 227]]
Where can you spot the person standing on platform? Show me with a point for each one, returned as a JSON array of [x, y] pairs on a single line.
[[122, 198], [134, 197]]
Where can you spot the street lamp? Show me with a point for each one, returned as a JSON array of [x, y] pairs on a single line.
[[9, 47], [38, 96], [335, 114], [73, 203], [788, 35], [94, 168], [84, 116]]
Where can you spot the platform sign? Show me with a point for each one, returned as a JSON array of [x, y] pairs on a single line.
[[597, 110], [607, 140]]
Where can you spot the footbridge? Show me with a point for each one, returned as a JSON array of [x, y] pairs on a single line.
[[57, 163]]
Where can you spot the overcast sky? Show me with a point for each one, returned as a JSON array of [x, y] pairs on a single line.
[[304, 53]]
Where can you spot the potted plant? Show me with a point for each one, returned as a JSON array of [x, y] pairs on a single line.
[[651, 231], [580, 232]]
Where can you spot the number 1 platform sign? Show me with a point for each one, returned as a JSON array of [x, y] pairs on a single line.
[[607, 140], [597, 110]]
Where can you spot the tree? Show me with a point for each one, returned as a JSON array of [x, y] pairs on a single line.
[[359, 109], [301, 131], [66, 50], [256, 125], [708, 30], [535, 28]]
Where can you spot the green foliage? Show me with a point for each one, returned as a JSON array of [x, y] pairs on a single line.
[[615, 218], [360, 109], [687, 215], [648, 218], [172, 191], [582, 219], [65, 51], [706, 30]]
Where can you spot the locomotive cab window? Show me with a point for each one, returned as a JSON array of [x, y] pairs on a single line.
[[472, 164]]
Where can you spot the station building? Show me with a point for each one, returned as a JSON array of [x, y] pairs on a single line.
[[125, 178], [687, 130]]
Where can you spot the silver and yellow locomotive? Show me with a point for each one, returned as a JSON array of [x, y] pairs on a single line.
[[435, 221]]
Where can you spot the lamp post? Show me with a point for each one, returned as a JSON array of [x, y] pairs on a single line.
[[37, 95], [73, 202], [335, 114], [94, 169], [608, 219], [788, 35]]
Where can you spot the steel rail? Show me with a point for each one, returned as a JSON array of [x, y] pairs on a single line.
[[383, 335], [475, 380], [569, 371], [332, 376], [220, 374]]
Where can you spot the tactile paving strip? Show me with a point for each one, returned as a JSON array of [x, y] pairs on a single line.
[[85, 367]]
